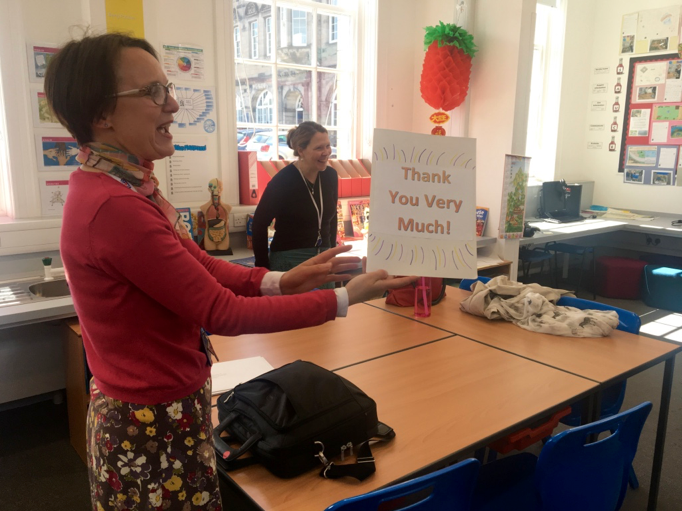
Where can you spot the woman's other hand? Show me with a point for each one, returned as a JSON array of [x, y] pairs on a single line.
[[372, 285], [319, 270]]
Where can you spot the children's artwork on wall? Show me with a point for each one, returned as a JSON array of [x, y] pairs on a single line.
[[651, 165], [43, 117], [650, 31], [39, 56], [662, 177], [649, 151], [56, 152], [634, 176]]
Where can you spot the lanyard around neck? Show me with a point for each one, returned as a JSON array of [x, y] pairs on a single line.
[[319, 210]]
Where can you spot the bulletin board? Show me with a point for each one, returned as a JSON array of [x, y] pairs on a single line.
[[652, 134]]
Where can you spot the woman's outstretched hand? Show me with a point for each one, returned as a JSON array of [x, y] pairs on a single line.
[[319, 270], [374, 284]]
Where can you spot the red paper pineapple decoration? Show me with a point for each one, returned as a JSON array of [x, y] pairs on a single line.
[[446, 70]]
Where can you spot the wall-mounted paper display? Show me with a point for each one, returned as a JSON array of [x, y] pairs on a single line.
[[125, 17], [653, 30], [56, 152], [53, 192], [651, 165], [197, 110], [189, 169], [653, 120], [600, 88], [423, 205], [39, 56], [43, 117], [183, 62], [598, 106], [513, 210]]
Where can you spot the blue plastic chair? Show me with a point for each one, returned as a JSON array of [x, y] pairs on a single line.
[[613, 396], [467, 283], [570, 473], [451, 488], [536, 255]]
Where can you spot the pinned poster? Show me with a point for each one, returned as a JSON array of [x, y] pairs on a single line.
[[53, 194], [513, 209], [182, 62], [125, 16], [189, 169], [39, 56], [423, 203], [56, 152]]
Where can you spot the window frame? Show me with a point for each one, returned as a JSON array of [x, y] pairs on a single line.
[[321, 80]]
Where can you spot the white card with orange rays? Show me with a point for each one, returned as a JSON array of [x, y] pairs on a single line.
[[422, 205]]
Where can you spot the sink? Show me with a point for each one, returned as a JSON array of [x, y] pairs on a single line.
[[50, 289]]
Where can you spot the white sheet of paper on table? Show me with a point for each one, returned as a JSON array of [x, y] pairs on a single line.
[[227, 375]]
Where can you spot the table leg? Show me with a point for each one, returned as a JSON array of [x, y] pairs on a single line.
[[592, 412], [660, 433]]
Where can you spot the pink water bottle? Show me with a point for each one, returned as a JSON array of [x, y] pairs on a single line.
[[422, 298]]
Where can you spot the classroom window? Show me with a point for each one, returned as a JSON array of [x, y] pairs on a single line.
[[545, 89], [268, 36], [237, 43], [306, 77], [254, 39]]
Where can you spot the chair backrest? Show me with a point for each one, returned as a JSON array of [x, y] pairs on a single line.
[[451, 488], [573, 474], [627, 321], [467, 283]]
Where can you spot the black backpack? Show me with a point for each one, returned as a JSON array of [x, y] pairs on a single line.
[[296, 417]]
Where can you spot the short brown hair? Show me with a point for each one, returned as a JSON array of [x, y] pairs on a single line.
[[300, 137], [81, 79]]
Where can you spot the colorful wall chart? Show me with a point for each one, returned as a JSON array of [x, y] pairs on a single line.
[[423, 210], [182, 62]]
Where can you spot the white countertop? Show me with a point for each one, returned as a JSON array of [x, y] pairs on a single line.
[[661, 225]]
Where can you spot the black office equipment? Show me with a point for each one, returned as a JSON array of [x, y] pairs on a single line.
[[560, 201]]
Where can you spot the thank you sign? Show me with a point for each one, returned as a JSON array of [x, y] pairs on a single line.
[[423, 205]]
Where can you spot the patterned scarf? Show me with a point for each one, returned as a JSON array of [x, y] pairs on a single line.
[[133, 172]]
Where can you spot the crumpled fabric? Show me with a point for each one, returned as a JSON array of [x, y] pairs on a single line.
[[533, 307]]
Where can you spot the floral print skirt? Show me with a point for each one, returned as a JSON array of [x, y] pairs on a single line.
[[152, 457]]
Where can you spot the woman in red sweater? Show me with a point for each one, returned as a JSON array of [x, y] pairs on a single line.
[[143, 290]]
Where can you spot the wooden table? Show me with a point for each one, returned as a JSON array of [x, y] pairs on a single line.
[[605, 360], [441, 398], [365, 334]]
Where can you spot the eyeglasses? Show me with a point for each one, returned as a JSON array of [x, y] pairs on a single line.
[[158, 92]]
